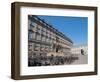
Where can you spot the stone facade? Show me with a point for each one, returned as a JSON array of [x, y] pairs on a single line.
[[80, 50], [45, 40]]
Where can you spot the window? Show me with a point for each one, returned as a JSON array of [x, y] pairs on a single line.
[[43, 38], [52, 35], [33, 26], [47, 48], [29, 21], [50, 40], [48, 33], [37, 47], [30, 46], [51, 48], [38, 30], [30, 36], [33, 35], [44, 31], [47, 40], [38, 37], [42, 47]]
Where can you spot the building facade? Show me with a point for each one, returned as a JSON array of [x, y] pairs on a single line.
[[80, 50], [45, 40]]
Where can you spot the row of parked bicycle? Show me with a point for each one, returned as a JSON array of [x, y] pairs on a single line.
[[50, 60]]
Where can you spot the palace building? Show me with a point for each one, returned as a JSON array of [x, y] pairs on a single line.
[[81, 49], [45, 40]]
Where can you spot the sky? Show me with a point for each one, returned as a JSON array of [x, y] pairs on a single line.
[[75, 28]]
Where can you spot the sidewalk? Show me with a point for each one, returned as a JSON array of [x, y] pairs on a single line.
[[83, 59]]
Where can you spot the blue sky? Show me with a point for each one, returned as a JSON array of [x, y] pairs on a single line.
[[76, 28]]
